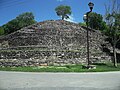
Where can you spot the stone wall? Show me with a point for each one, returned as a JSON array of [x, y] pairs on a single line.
[[29, 58]]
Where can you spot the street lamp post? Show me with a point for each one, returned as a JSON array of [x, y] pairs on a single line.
[[86, 19]]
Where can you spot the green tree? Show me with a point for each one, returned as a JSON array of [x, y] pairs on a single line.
[[82, 24], [11, 26], [113, 22], [63, 11], [95, 21], [1, 31], [19, 22], [25, 19]]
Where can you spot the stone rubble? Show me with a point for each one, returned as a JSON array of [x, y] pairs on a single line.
[[52, 42]]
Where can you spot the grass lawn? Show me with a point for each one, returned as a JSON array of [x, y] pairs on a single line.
[[66, 68]]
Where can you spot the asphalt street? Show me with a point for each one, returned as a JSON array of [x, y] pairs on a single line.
[[59, 81]]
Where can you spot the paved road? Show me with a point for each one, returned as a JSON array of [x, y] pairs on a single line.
[[59, 81]]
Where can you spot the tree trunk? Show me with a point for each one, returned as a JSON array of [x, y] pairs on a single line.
[[115, 58], [62, 17]]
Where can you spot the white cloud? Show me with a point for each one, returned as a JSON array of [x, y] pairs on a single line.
[[71, 19]]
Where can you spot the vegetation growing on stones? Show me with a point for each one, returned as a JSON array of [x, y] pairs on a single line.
[[1, 31], [82, 24], [63, 11]]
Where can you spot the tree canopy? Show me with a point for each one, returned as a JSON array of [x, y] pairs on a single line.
[[19, 22], [113, 23], [63, 11], [95, 21], [25, 19]]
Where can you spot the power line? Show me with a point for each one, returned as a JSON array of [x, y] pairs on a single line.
[[7, 2], [14, 4], [11, 3]]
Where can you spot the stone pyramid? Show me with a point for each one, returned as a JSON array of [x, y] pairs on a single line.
[[53, 42]]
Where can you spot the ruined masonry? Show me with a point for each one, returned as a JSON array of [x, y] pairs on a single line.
[[51, 43]]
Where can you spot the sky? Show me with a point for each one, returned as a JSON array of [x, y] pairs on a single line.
[[45, 9]]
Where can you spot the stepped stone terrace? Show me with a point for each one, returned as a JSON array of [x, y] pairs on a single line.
[[52, 42]]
